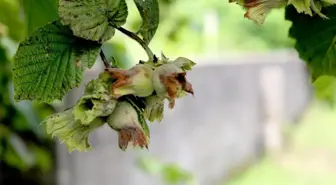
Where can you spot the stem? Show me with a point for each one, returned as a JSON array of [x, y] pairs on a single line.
[[105, 61], [151, 56]]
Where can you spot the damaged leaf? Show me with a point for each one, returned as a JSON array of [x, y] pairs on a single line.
[[184, 63], [257, 10], [90, 107], [93, 19], [95, 103], [301, 6], [69, 131]]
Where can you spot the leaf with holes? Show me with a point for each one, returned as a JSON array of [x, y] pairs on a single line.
[[50, 62], [315, 40], [93, 19], [150, 14]]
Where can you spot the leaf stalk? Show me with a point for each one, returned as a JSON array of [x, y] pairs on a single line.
[[151, 56], [104, 59]]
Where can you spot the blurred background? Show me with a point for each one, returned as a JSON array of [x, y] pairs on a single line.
[[255, 118]]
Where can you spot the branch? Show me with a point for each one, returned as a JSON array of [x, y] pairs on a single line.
[[105, 61], [151, 56]]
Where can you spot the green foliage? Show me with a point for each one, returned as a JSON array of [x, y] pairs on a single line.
[[183, 31], [69, 131], [62, 45], [9, 16], [38, 13], [149, 11], [65, 40], [316, 44], [325, 88], [115, 53], [50, 62], [24, 149], [315, 40], [313, 28], [170, 173], [54, 57], [74, 125], [93, 19]]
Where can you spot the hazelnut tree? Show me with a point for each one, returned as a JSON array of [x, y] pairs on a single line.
[[53, 58]]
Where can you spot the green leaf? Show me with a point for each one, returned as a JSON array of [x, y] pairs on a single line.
[[93, 19], [184, 63], [43, 158], [150, 14], [50, 62], [9, 15], [174, 174], [38, 13], [150, 165], [325, 89], [315, 40]]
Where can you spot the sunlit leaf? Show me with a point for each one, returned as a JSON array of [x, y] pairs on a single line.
[[325, 89]]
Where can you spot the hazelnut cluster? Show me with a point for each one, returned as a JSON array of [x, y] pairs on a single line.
[[125, 100]]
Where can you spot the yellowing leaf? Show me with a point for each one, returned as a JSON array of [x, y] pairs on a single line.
[[302, 6], [257, 10]]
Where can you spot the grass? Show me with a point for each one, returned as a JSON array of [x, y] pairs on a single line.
[[310, 158]]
